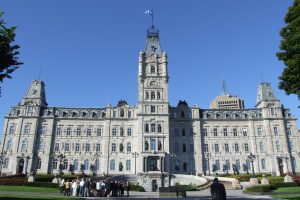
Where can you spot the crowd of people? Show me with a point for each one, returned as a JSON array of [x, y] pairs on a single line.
[[94, 188]]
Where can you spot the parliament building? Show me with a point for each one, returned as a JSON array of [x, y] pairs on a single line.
[[152, 137]]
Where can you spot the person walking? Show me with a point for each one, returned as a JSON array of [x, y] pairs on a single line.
[[74, 188], [128, 187], [217, 190]]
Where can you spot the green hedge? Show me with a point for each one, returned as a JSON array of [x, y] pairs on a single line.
[[44, 177], [272, 179], [260, 188], [41, 184], [137, 188], [280, 185]]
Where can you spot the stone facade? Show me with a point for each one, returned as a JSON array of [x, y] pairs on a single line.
[[152, 137]]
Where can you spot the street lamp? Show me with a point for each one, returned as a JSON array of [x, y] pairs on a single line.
[[135, 154], [2, 160], [251, 157], [208, 156], [60, 157]]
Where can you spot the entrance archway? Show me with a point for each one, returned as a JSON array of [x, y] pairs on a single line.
[[280, 166], [21, 166]]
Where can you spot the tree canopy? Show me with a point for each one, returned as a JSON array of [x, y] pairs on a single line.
[[290, 51], [8, 50]]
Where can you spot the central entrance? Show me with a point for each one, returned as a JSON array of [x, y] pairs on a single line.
[[21, 166]]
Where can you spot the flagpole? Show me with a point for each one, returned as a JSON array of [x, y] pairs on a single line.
[[152, 16]]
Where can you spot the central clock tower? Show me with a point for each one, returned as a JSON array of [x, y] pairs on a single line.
[[153, 106]]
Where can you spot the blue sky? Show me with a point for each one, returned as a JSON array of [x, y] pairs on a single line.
[[88, 50]]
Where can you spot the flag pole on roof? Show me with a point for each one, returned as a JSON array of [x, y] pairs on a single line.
[[150, 12]]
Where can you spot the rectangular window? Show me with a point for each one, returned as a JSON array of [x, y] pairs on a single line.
[[77, 147], [12, 129], [225, 131], [259, 131], [234, 131], [26, 129], [114, 131], [44, 129], [288, 130], [215, 132], [275, 130], [88, 147], [98, 148], [226, 148], [112, 165], [56, 147], [129, 131], [153, 144], [58, 130], [261, 147], [69, 131], [246, 147], [152, 128], [236, 147], [183, 148], [129, 114], [152, 109], [67, 147], [205, 132], [217, 148], [78, 131], [88, 132], [98, 131], [114, 114], [277, 144], [113, 147], [245, 132]]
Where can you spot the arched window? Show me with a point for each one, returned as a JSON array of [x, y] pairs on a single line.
[[9, 145], [183, 148], [263, 163], [86, 164], [152, 95], [112, 165], [128, 148], [39, 164], [24, 145], [182, 114], [75, 164], [128, 165], [147, 95], [159, 145], [97, 164], [158, 95], [54, 164], [121, 131]]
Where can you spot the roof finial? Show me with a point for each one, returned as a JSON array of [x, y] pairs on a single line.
[[150, 12]]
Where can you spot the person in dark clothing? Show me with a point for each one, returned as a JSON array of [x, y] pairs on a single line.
[[128, 187], [217, 190]]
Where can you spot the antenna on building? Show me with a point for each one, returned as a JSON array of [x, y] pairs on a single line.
[[224, 89], [262, 75], [40, 73], [150, 12]]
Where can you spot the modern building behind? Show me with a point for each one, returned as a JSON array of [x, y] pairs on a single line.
[[152, 138], [227, 102]]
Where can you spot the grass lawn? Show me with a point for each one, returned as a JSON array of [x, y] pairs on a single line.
[[6, 188], [29, 197], [291, 193]]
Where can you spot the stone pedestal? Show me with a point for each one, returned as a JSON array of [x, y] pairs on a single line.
[[236, 183], [288, 179], [265, 181], [253, 181], [55, 180], [31, 178]]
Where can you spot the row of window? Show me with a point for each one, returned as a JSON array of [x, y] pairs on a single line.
[[183, 132], [78, 131], [224, 132], [153, 128], [183, 148], [236, 148], [152, 95]]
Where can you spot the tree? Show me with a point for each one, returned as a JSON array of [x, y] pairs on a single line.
[[290, 51], [8, 51]]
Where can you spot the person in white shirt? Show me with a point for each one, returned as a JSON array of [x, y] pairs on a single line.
[[81, 186]]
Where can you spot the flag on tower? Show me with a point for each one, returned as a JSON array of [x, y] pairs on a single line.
[[148, 12]]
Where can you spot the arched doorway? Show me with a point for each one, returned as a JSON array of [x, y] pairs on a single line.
[[154, 185], [21, 166]]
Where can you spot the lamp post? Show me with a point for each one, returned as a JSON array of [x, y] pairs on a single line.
[[2, 160], [135, 154], [251, 157], [60, 157], [208, 156]]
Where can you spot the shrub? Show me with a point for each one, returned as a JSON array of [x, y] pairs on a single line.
[[260, 188], [44, 177], [273, 179], [280, 185], [13, 180], [189, 187], [137, 188], [41, 184]]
